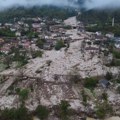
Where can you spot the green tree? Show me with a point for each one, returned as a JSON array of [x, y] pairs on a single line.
[[37, 54], [103, 109], [59, 45], [105, 96], [23, 94], [84, 97], [40, 43], [90, 83], [22, 114], [42, 112], [64, 110], [100, 112], [15, 114], [116, 54], [6, 33], [7, 114]]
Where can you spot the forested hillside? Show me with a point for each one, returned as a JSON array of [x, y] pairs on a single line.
[[102, 16], [97, 20], [49, 11]]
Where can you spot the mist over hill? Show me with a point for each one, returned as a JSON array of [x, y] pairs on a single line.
[[44, 11], [87, 4], [6, 4]]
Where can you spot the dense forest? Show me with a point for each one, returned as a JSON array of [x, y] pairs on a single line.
[[96, 20], [49, 11], [100, 16]]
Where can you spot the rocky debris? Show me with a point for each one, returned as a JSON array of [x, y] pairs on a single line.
[[46, 93], [64, 62], [50, 85], [8, 101], [113, 118], [90, 118], [47, 80], [72, 21], [6, 85]]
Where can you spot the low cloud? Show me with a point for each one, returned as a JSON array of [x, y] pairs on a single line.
[[102, 4], [87, 4], [4, 4]]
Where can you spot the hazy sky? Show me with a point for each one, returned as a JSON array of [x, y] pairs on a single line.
[[28, 3], [88, 4], [102, 4]]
